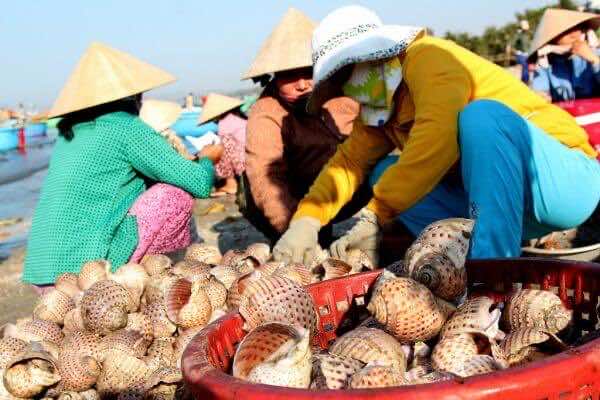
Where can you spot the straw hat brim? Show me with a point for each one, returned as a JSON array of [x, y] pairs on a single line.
[[104, 75], [159, 114], [555, 22], [286, 48], [217, 105], [384, 42]]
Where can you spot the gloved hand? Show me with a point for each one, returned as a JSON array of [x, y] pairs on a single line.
[[365, 235], [300, 242]]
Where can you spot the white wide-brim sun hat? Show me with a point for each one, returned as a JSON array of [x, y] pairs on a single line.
[[352, 35]]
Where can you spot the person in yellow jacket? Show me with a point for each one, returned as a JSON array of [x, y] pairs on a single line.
[[475, 142]]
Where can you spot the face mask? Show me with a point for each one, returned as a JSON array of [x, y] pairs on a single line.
[[373, 86]]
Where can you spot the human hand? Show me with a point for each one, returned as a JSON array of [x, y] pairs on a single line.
[[300, 243], [365, 235], [583, 50], [545, 95], [212, 151]]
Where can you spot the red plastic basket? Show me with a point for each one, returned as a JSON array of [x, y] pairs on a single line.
[[587, 111], [574, 374]]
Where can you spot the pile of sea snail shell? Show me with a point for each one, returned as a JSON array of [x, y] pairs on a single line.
[[120, 335], [415, 333]]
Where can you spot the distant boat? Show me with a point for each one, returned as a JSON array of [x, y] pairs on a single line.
[[35, 129], [8, 138]]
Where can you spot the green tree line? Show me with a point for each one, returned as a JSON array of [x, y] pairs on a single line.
[[492, 43]]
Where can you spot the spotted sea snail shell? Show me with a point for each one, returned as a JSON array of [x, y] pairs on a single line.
[[537, 309], [476, 315], [104, 307], [407, 309], [134, 278], [30, 373], [449, 236], [276, 354], [53, 306], [450, 353], [277, 299], [330, 269], [67, 283], [92, 272], [10, 348], [369, 345], [238, 286], [203, 253], [520, 347], [330, 371], [296, 272], [120, 372], [157, 315], [155, 264], [260, 251], [187, 304], [35, 330], [375, 375], [79, 361]]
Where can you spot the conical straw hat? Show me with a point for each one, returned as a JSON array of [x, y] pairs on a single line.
[[288, 46], [159, 114], [556, 21], [104, 74], [217, 104]]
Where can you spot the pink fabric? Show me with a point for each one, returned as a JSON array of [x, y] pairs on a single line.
[[232, 130], [163, 215]]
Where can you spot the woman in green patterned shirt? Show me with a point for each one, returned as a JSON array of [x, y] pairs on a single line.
[[95, 202]]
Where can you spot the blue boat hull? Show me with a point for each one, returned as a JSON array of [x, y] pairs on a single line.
[[35, 130], [8, 139], [187, 125]]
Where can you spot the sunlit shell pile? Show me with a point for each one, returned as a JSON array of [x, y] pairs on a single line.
[[105, 334], [422, 327]]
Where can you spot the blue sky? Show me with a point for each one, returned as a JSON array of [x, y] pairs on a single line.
[[206, 44]]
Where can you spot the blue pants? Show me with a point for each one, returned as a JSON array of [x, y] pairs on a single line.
[[518, 183], [522, 61]]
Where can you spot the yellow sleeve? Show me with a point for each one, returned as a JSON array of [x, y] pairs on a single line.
[[440, 87], [344, 173]]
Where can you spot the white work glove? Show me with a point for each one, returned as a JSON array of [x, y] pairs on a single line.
[[300, 243], [365, 235]]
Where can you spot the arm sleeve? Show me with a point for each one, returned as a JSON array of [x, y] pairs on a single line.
[[540, 82], [266, 169], [440, 87], [596, 68], [344, 173], [152, 156]]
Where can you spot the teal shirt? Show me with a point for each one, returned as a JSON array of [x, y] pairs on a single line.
[[92, 182]]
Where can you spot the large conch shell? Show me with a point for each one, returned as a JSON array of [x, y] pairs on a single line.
[[520, 347], [216, 292], [187, 304], [407, 309], [530, 308], [134, 278], [181, 342], [277, 299], [377, 375], [34, 330], [330, 371], [155, 291], [451, 353], [10, 348], [240, 260], [203, 253], [104, 307], [369, 345], [161, 324], [53, 306], [226, 274], [275, 354], [156, 264], [120, 373], [67, 283], [191, 270], [437, 257], [92, 272], [476, 316], [480, 364], [31, 373]]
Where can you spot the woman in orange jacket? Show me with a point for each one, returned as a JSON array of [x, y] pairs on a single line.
[[475, 142]]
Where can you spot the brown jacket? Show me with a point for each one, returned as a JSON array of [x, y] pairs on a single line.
[[285, 151]]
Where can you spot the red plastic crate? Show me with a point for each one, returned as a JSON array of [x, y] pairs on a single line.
[[588, 112], [574, 374]]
